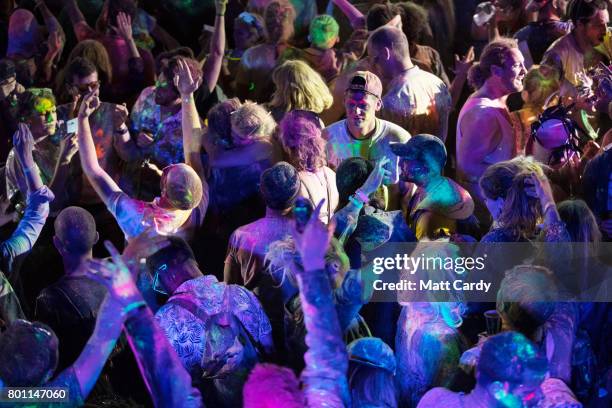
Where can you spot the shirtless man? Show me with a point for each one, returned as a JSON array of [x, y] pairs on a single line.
[[484, 132]]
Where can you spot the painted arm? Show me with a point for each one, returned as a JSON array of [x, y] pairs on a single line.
[[324, 378], [82, 30], [104, 185], [355, 16], [212, 66], [23, 238]]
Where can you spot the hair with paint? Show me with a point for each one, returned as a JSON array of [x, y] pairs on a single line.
[[302, 142], [299, 87]]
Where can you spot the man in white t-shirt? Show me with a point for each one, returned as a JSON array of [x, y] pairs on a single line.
[[362, 134], [417, 100]]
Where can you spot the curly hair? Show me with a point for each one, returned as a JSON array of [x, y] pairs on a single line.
[[495, 53], [251, 122], [298, 86], [301, 140]]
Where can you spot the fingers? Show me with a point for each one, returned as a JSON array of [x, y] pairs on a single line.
[[317, 211], [113, 252]]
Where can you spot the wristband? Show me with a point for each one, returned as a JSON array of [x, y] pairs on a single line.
[[133, 306], [361, 196], [187, 99], [356, 202], [123, 129]]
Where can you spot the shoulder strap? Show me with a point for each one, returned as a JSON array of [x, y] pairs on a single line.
[[74, 299]]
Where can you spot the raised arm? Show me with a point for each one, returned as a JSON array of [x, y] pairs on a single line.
[[37, 210], [192, 127], [124, 29], [356, 17], [82, 30], [168, 382], [212, 66], [324, 378], [104, 185]]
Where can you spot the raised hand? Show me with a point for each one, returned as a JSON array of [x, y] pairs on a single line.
[[376, 177], [124, 26], [120, 115], [68, 148], [89, 104], [183, 79], [463, 65], [23, 142], [220, 7], [116, 277], [538, 186], [312, 244]]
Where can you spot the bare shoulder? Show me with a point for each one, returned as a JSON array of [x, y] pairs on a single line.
[[439, 396]]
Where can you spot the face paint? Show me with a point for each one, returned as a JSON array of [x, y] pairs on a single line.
[[45, 106]]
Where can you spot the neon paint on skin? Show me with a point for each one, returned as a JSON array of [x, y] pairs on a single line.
[[45, 107]]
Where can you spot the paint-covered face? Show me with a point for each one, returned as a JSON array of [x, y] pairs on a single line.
[[165, 91], [595, 28], [412, 170], [513, 72], [361, 109], [43, 120]]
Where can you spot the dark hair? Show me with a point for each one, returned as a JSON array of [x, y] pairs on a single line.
[[177, 253], [583, 10], [29, 354], [350, 175], [167, 68], [380, 14], [415, 23], [220, 121], [75, 227], [280, 185], [526, 296], [580, 221], [371, 386], [495, 53], [80, 68], [184, 52]]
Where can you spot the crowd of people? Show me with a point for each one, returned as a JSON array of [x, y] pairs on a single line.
[[187, 213]]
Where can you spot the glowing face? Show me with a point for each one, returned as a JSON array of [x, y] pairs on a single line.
[[513, 72], [412, 170], [595, 29], [43, 121], [361, 110]]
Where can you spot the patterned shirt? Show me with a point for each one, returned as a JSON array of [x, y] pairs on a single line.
[[167, 147], [187, 333]]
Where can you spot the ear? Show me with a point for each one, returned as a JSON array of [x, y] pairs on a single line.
[[57, 244], [97, 238], [387, 53], [378, 104], [497, 70]]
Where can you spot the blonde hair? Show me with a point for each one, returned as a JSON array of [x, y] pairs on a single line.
[[251, 122], [540, 82], [300, 87]]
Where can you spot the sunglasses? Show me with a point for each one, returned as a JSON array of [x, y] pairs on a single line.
[[86, 88]]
